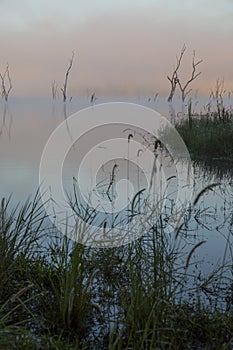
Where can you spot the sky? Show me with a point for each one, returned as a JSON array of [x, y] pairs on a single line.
[[124, 47]]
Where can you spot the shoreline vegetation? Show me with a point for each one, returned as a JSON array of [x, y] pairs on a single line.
[[208, 137], [58, 294], [150, 294]]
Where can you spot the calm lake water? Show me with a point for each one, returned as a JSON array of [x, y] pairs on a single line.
[[25, 127]]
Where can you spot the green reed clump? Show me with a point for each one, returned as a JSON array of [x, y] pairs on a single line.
[[57, 294], [153, 314], [68, 296], [208, 137], [20, 237], [43, 287]]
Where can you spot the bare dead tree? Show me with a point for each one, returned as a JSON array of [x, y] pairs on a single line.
[[218, 97], [6, 83], [93, 97], [194, 75], [154, 97], [174, 77], [64, 88], [190, 114], [54, 89]]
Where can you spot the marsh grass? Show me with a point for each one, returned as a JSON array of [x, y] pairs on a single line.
[[209, 135], [63, 295]]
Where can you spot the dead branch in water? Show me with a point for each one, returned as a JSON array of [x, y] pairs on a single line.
[[194, 75], [64, 88], [174, 77], [6, 83]]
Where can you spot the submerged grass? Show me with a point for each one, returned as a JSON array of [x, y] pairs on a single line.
[[61, 295]]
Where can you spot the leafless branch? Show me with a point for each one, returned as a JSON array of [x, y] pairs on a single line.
[[6, 83], [64, 88], [194, 75], [218, 97], [174, 77]]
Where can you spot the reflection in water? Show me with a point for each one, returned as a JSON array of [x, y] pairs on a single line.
[[7, 119], [221, 168], [210, 220], [67, 124], [210, 223]]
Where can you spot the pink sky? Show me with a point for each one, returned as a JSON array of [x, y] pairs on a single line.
[[121, 52]]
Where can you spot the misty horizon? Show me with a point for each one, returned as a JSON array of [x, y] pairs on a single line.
[[120, 50]]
